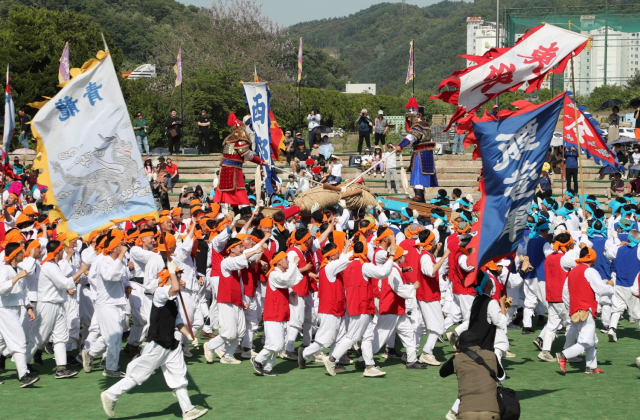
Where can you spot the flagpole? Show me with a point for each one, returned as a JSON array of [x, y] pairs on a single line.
[[575, 111], [413, 69]]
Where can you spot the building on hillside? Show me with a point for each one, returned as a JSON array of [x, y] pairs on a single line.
[[145, 70], [612, 64], [360, 88], [481, 36]]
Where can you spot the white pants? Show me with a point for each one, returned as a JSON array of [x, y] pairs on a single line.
[[558, 315], [111, 320], [94, 342], [586, 334], [214, 315], [464, 302], [331, 328], [623, 299], [297, 310], [13, 336], [357, 326], [274, 343], [147, 305], [139, 317], [252, 320], [85, 298], [232, 328], [534, 294], [190, 299], [377, 335], [51, 322], [434, 323], [72, 310], [141, 368]]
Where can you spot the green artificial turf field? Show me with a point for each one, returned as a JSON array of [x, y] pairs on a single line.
[[234, 392]]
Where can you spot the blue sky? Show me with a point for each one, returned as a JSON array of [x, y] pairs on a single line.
[[290, 12]]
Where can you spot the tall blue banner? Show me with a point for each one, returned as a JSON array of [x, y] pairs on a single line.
[[258, 99], [513, 150]]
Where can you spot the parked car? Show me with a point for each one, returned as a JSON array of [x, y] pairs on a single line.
[[627, 132]]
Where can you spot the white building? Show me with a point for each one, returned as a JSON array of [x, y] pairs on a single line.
[[145, 70], [360, 88], [481, 36], [622, 51]]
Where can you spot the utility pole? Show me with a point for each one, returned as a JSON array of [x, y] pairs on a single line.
[[497, 35]]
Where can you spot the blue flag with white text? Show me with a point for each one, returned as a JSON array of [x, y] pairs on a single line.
[[258, 99]]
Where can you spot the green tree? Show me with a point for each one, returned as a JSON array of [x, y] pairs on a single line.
[[33, 40]]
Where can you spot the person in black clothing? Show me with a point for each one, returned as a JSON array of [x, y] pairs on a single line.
[[174, 132], [162, 350], [364, 125], [300, 158], [25, 129], [203, 132]]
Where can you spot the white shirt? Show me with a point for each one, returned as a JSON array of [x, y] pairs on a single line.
[[53, 284], [404, 290], [32, 267], [336, 169], [11, 295], [140, 257], [154, 266], [314, 120], [391, 162], [335, 267], [111, 278], [283, 280], [231, 264], [161, 297]]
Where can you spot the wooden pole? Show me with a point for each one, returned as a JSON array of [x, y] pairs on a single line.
[[167, 258], [575, 113]]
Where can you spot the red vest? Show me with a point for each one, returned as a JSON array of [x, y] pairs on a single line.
[[271, 249], [331, 295], [250, 279], [555, 277], [453, 241], [276, 305], [229, 289], [581, 295], [457, 276], [499, 287], [429, 290], [412, 259], [390, 302], [358, 290], [302, 288], [216, 260]]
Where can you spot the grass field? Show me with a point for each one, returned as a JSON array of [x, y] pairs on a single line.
[[234, 392]]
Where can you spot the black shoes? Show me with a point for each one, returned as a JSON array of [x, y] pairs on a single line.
[[71, 361], [416, 365], [302, 363], [538, 343], [257, 367], [37, 358], [3, 362], [28, 380], [32, 369], [526, 330], [360, 365], [269, 373], [65, 373]]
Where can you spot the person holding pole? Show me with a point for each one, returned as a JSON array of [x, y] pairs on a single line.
[[163, 350]]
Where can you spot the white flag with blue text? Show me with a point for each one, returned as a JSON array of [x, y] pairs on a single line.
[[89, 154]]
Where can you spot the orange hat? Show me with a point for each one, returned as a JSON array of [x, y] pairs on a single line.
[[399, 253], [169, 242], [215, 210], [266, 222], [92, 236], [410, 233], [164, 213], [195, 202], [164, 219], [361, 256], [28, 210], [194, 209], [176, 211], [61, 236], [276, 258], [23, 218]]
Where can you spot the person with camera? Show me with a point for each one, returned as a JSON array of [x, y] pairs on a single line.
[[364, 125], [314, 119], [174, 131]]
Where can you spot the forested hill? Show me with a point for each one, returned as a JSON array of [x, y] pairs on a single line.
[[136, 27], [374, 42]]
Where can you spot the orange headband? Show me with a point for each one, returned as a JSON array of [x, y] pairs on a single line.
[[589, 258], [427, 242], [410, 233], [279, 225], [362, 256], [130, 238], [399, 253], [292, 240], [11, 256], [176, 211], [266, 222], [559, 246], [326, 256], [386, 233], [230, 247], [35, 244], [116, 239], [223, 225], [169, 242], [14, 235], [276, 258], [461, 231], [491, 265], [50, 255]]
